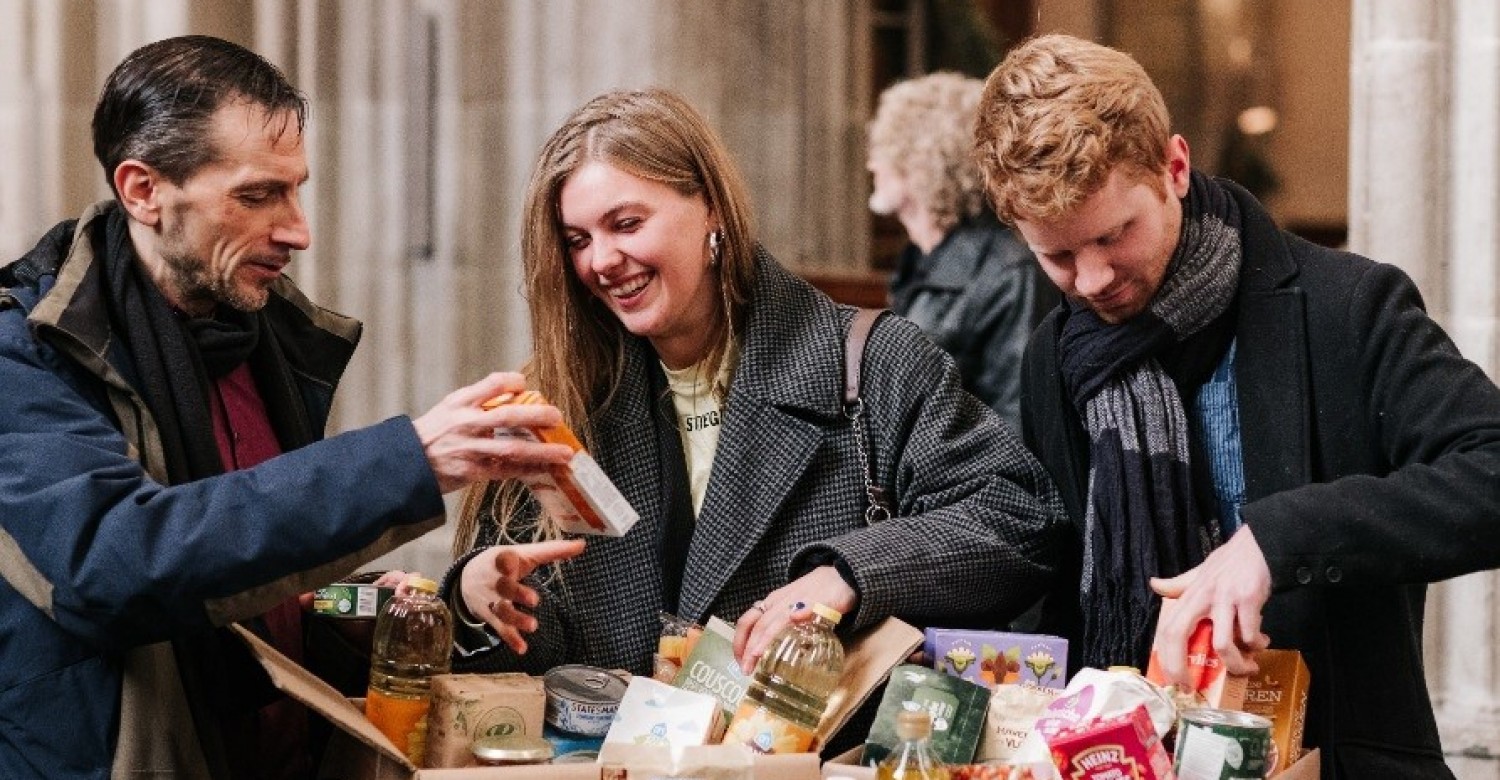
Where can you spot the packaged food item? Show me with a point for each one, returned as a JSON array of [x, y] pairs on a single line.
[[1004, 771], [957, 708], [992, 658], [1013, 711], [678, 635], [1212, 684], [711, 668], [578, 496], [1093, 694], [351, 600], [912, 758], [582, 699], [470, 707], [1278, 693], [789, 690], [413, 639], [1223, 745], [570, 748], [513, 750], [1120, 747], [620, 761], [654, 713]]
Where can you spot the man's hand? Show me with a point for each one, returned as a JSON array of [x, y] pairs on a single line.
[[493, 592], [793, 602], [458, 435], [1229, 588]]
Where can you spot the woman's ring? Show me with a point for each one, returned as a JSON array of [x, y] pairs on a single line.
[[760, 605], [798, 606]]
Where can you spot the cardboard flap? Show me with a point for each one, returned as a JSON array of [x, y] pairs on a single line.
[[305, 687], [868, 660]]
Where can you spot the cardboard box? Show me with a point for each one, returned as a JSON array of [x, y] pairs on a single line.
[[358, 751], [849, 766]]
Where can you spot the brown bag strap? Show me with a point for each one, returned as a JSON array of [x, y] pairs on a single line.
[[878, 505]]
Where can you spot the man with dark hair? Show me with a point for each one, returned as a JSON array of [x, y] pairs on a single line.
[[162, 468], [1272, 432]]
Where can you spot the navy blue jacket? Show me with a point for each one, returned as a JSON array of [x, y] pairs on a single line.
[[104, 563]]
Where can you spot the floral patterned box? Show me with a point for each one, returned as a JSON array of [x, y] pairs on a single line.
[[990, 658]]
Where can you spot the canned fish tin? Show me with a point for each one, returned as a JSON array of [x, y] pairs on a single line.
[[1223, 745], [583, 699]]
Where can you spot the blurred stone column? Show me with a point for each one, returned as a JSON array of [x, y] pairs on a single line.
[[1425, 195]]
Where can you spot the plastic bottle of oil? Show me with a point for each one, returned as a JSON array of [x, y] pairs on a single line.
[[913, 758], [790, 688], [413, 639]]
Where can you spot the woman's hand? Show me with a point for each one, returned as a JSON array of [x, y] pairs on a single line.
[[493, 592], [791, 603]]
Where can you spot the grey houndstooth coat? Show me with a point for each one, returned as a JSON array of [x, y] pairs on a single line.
[[976, 526]]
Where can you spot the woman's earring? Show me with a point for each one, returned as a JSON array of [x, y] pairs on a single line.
[[715, 247]]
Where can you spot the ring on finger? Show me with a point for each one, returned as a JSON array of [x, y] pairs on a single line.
[[798, 606], [760, 605]]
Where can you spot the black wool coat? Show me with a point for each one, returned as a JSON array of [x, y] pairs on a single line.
[[1371, 455]]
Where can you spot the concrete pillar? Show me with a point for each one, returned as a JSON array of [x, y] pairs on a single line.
[[1424, 194]]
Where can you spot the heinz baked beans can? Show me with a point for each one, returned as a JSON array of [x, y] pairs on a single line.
[[1223, 745]]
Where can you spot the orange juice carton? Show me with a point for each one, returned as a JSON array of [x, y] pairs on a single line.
[[991, 658], [1119, 747], [577, 495], [1210, 681], [1278, 692]]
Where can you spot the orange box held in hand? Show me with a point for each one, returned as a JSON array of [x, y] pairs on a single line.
[[577, 495], [1210, 680]]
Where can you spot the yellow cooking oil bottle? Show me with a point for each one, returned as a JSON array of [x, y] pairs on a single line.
[[913, 758], [413, 639], [790, 688]]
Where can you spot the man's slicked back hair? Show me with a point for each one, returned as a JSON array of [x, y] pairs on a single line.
[[158, 104]]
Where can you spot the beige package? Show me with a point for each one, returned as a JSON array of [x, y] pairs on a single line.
[[468, 706], [1013, 712]]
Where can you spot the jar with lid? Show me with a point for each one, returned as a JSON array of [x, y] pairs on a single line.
[[512, 750]]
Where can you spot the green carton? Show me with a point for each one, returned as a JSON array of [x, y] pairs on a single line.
[[711, 668], [957, 706]]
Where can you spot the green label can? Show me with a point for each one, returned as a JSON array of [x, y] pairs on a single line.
[[1222, 745]]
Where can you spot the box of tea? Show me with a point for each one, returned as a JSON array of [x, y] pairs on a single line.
[[991, 658]]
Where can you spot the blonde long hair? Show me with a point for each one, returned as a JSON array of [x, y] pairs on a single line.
[[578, 346]]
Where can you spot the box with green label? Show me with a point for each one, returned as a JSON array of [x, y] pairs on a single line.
[[957, 707]]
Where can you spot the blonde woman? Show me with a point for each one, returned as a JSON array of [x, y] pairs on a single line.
[[965, 279], [707, 381]]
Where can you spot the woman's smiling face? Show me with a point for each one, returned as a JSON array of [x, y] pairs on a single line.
[[641, 247]]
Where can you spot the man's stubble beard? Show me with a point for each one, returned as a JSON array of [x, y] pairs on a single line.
[[196, 284]]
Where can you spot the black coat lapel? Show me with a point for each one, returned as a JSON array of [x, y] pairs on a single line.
[[1272, 370]]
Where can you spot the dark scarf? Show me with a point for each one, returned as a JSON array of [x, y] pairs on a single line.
[[175, 360], [1144, 518]]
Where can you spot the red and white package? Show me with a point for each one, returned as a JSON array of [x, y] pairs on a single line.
[[1120, 747]]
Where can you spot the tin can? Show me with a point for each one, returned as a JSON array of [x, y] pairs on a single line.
[[583, 699], [1222, 745], [514, 750]]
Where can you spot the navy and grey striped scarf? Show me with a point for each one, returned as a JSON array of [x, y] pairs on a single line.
[[1143, 518]]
